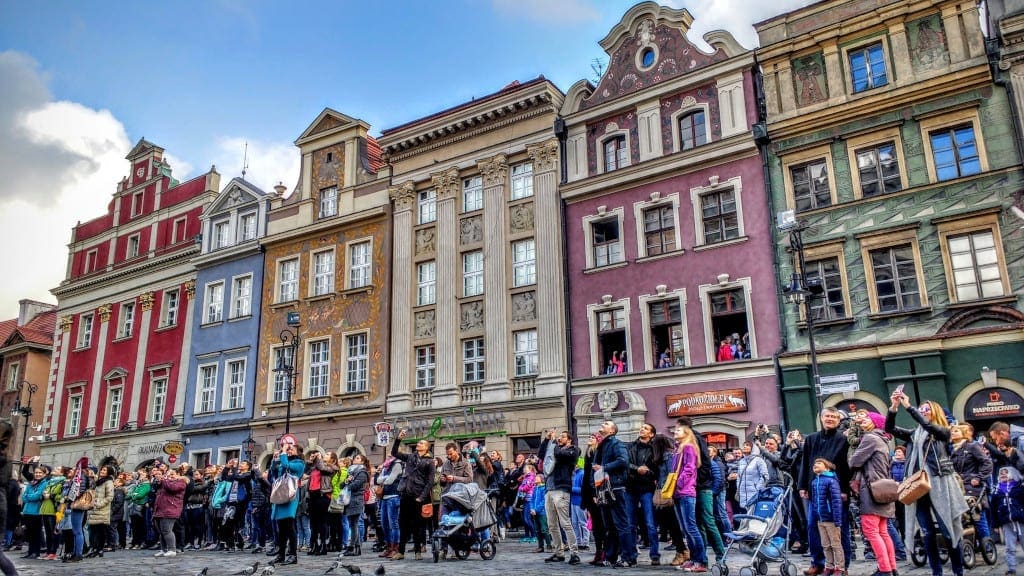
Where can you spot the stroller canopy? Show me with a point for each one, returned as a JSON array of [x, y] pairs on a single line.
[[470, 498]]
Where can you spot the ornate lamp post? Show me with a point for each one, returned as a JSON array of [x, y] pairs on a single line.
[[801, 291], [286, 363], [25, 411]]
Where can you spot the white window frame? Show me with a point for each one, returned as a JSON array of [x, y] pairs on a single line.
[[86, 323], [131, 249], [521, 180], [623, 157], [473, 194], [279, 381], [736, 184], [183, 223], [318, 356], [426, 366], [321, 272], [13, 376], [359, 255], [91, 261], [657, 200], [171, 304], [241, 296], [291, 283], [234, 385], [644, 301], [213, 302], [206, 389], [157, 400], [357, 362], [525, 349], [588, 222], [677, 142], [126, 320], [115, 401], [704, 295], [328, 202], [474, 360], [426, 283], [524, 262], [137, 203], [473, 273], [74, 423], [247, 227], [426, 206], [220, 234], [596, 362]]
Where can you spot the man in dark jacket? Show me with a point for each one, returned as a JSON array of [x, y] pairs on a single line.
[[830, 444], [414, 491], [612, 459], [559, 461], [643, 476]]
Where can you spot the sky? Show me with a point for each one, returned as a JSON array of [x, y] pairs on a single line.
[[82, 81]]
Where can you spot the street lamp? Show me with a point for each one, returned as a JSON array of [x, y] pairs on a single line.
[[801, 291], [249, 446], [25, 411], [286, 363]]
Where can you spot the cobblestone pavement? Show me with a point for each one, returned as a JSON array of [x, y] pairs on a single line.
[[512, 558]]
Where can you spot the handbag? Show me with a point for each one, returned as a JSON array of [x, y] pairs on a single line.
[[427, 510], [668, 487], [284, 489], [378, 491], [884, 490], [338, 503], [914, 487], [83, 502]]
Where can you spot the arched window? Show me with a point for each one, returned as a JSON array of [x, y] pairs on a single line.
[[616, 154], [692, 130]]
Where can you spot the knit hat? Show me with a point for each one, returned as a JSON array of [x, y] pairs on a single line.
[[597, 436], [877, 419], [83, 462]]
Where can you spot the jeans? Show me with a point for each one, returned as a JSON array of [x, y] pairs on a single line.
[[931, 542], [557, 504], [301, 529], [645, 502], [814, 540], [620, 541], [166, 526], [77, 516], [897, 541], [260, 534], [981, 526], [686, 514], [389, 519], [876, 532], [1011, 537], [721, 513], [579, 525]]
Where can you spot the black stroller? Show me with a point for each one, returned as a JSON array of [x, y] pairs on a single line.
[[972, 543], [468, 513]]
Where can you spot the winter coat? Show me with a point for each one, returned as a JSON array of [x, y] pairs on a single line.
[[898, 470], [972, 462], [241, 483], [198, 492], [560, 475], [641, 454], [614, 461], [321, 474], [170, 497], [32, 497], [871, 461], [102, 497], [356, 483], [752, 477], [537, 504], [826, 498], [419, 474], [389, 477], [717, 475], [830, 445], [460, 470], [1008, 501], [295, 467], [139, 495], [576, 496], [686, 482], [54, 487], [117, 505]]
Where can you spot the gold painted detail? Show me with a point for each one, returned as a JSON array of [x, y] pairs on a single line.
[[146, 298], [104, 312]]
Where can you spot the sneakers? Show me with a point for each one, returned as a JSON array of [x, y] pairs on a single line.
[[160, 554]]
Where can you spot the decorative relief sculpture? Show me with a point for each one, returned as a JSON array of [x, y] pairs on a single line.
[[146, 298], [104, 312], [495, 170], [403, 195], [190, 289], [425, 240], [472, 315], [234, 197], [425, 324], [544, 156], [65, 323], [521, 217], [447, 183], [524, 307], [471, 230], [607, 400]]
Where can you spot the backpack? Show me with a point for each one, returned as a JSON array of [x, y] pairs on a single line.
[[284, 489], [220, 495]]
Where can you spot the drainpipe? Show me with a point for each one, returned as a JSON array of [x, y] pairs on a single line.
[[760, 133], [992, 50], [562, 133]]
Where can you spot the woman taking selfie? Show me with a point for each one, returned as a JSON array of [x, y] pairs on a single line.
[[944, 503]]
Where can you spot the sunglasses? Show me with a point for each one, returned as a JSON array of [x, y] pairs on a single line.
[[924, 408]]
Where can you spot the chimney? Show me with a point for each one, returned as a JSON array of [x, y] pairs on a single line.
[[29, 309]]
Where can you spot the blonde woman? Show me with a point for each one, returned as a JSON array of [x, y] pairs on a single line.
[[944, 503], [687, 460]]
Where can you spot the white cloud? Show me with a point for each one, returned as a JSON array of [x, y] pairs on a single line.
[[554, 12], [269, 162], [735, 16]]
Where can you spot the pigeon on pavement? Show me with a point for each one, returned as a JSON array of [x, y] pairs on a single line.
[[250, 571], [203, 571], [267, 570], [379, 571]]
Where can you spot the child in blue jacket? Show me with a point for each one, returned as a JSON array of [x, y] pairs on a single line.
[[539, 515], [827, 500], [1008, 513]]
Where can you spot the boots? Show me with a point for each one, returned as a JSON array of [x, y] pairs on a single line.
[[359, 550], [598, 559], [388, 551], [349, 551], [680, 558]]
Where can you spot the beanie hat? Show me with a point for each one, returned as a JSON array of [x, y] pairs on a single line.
[[83, 462], [597, 436], [877, 419]]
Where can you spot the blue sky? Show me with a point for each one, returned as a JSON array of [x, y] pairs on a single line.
[[81, 81]]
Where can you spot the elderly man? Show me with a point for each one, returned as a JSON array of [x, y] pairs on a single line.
[[559, 461], [830, 444]]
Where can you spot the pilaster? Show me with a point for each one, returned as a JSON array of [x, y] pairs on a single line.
[[649, 129], [901, 53], [834, 74], [446, 393], [495, 177], [92, 405], [954, 36], [404, 198], [139, 374]]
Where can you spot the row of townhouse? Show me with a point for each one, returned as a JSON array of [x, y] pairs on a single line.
[[534, 258]]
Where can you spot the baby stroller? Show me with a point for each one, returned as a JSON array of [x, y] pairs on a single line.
[[970, 546], [468, 513], [762, 533]]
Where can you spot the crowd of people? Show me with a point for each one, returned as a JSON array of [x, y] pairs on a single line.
[[660, 492]]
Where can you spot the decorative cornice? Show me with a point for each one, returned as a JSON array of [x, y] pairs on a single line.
[[403, 195], [544, 156], [446, 183], [65, 323], [146, 298], [190, 289], [494, 170], [104, 312]]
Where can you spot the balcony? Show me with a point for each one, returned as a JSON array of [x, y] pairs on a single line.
[[421, 398], [471, 393], [524, 389]]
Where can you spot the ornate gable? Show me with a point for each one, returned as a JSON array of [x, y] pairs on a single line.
[[328, 121], [649, 46], [238, 192]]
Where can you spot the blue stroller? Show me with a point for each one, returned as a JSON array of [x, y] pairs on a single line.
[[762, 533]]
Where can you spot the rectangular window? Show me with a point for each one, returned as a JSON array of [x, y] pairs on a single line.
[[955, 152], [607, 242], [728, 322], [207, 386], [221, 234], [524, 263], [974, 260], [867, 68], [357, 364], [473, 273], [323, 272], [133, 246], [611, 339], [136, 204], [127, 320], [667, 338], [247, 226], [616, 154], [114, 408], [236, 384], [660, 229], [692, 130], [811, 186], [526, 356], [288, 280], [359, 265], [522, 180], [329, 202], [472, 194], [85, 331], [13, 376], [426, 280], [91, 261], [178, 231], [74, 414], [879, 170], [718, 210], [282, 358], [427, 203], [831, 305], [214, 303], [241, 297], [895, 277], [158, 400], [170, 307], [473, 360], [319, 368], [425, 366]]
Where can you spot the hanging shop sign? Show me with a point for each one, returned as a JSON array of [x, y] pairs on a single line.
[[710, 402], [174, 448], [993, 403]]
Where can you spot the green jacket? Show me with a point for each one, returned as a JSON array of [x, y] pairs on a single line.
[[139, 495], [54, 488]]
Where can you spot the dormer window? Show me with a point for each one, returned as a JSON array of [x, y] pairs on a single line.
[[221, 238], [247, 226], [329, 202], [616, 153]]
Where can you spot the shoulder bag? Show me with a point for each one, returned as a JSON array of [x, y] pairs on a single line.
[[917, 484], [883, 490], [668, 487], [83, 502], [427, 510], [284, 489]]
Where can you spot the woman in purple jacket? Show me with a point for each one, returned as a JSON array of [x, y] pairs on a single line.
[[687, 461], [170, 498]]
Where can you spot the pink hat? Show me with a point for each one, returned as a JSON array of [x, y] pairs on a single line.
[[877, 419]]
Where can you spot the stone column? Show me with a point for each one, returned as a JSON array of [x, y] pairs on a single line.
[[495, 177], [399, 397], [548, 234], [91, 405], [446, 392], [140, 375]]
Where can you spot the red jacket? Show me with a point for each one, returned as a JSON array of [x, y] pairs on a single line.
[[170, 495]]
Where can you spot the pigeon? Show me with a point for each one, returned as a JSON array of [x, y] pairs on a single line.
[[337, 564], [267, 570], [250, 571], [352, 569], [379, 571], [203, 571]]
